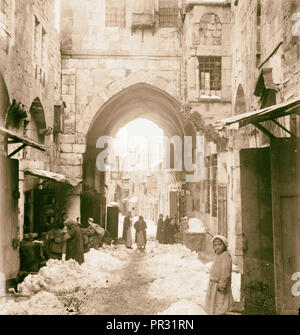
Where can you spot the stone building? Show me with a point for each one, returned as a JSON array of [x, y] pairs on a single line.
[[260, 160], [29, 89], [184, 65]]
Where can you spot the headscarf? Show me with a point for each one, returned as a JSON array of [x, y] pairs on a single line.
[[222, 238], [70, 222]]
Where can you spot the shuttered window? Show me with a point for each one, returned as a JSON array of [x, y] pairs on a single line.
[[115, 13], [168, 13]]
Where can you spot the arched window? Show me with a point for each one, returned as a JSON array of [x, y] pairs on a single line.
[[210, 30]]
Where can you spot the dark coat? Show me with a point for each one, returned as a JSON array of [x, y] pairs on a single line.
[[160, 230], [75, 244], [140, 226], [126, 226], [169, 232]]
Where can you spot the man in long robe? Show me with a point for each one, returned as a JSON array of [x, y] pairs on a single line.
[[127, 230], [75, 248], [160, 230]]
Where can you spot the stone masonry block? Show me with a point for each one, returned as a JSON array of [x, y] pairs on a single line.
[[70, 159], [79, 148], [67, 138], [68, 72], [66, 147]]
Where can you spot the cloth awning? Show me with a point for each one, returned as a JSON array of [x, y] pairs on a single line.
[[261, 115], [16, 138], [53, 176]]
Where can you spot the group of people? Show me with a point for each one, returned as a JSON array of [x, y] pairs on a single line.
[[166, 229], [73, 240], [140, 227]]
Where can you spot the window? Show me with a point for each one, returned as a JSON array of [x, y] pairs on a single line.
[[115, 13], [210, 30], [37, 38], [209, 73], [3, 15], [168, 13]]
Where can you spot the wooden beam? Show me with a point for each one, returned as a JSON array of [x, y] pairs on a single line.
[[17, 150], [14, 136], [264, 130], [281, 126]]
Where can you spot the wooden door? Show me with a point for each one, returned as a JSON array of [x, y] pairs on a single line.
[[256, 206], [113, 221], [9, 178], [285, 166]]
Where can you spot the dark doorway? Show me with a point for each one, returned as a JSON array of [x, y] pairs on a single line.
[[112, 221], [258, 269], [285, 167]]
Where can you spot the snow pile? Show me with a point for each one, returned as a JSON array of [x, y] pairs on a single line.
[[103, 260], [180, 273], [43, 303], [183, 307], [196, 226], [67, 276]]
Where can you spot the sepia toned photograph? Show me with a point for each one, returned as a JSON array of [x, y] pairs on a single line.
[[150, 159]]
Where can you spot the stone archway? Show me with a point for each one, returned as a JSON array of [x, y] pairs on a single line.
[[109, 112], [114, 89]]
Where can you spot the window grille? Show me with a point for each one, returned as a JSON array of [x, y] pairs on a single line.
[[210, 73], [168, 13], [115, 13]]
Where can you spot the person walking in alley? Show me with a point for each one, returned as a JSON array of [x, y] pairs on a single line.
[[140, 234], [74, 248], [170, 231], [219, 295], [165, 224], [127, 237], [160, 231]]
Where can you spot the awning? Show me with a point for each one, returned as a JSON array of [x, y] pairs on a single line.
[[265, 81], [16, 138], [261, 115], [53, 176]]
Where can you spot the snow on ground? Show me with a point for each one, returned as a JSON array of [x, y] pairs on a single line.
[[183, 307], [99, 270], [178, 273], [42, 303]]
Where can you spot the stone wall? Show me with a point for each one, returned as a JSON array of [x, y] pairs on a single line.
[[29, 75], [98, 62]]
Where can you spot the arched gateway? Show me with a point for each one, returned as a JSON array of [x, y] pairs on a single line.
[[140, 100]]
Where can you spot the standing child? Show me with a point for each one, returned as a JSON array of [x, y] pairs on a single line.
[[219, 295]]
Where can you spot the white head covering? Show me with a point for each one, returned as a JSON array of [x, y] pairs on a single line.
[[222, 238]]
